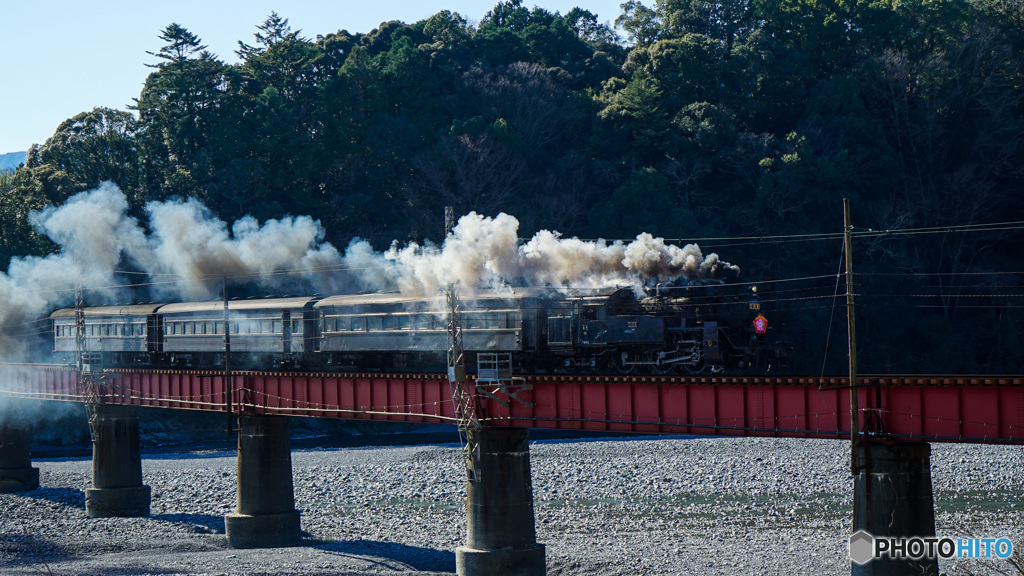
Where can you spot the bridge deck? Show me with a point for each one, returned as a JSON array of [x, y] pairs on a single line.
[[984, 409]]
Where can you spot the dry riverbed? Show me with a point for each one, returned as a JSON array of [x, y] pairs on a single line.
[[623, 506]]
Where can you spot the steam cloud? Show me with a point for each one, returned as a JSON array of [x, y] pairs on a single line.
[[486, 251], [187, 250]]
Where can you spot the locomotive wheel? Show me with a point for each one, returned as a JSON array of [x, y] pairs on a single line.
[[659, 368], [625, 368], [620, 364], [699, 365], [697, 368]]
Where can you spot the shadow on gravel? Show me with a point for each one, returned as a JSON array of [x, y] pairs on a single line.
[[201, 523], [72, 497], [29, 550], [392, 556]]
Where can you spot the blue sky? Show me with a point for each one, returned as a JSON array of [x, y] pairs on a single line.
[[62, 57]]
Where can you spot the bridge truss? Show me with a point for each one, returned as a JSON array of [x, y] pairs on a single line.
[[983, 409]]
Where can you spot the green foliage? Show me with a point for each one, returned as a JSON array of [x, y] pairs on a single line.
[[643, 26], [644, 202]]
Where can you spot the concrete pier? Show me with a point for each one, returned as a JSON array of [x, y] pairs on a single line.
[[501, 536], [265, 516], [16, 471], [895, 499], [117, 488]]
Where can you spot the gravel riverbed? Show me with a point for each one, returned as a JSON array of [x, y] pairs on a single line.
[[670, 506]]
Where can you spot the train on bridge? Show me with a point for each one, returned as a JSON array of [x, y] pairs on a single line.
[[689, 329]]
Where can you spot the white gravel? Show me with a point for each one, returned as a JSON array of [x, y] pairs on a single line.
[[626, 506]]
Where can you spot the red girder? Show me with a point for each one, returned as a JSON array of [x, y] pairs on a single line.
[[986, 409]]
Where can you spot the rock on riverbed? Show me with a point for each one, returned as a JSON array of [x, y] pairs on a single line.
[[626, 506]]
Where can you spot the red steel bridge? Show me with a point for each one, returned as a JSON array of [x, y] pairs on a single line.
[[980, 409]]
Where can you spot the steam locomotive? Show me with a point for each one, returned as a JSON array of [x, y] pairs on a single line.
[[687, 330]]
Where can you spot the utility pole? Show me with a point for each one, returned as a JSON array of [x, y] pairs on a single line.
[[86, 375], [228, 387], [463, 397], [851, 329]]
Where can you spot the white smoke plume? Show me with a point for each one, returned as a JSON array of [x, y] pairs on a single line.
[[91, 229], [187, 250], [485, 251], [192, 249]]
